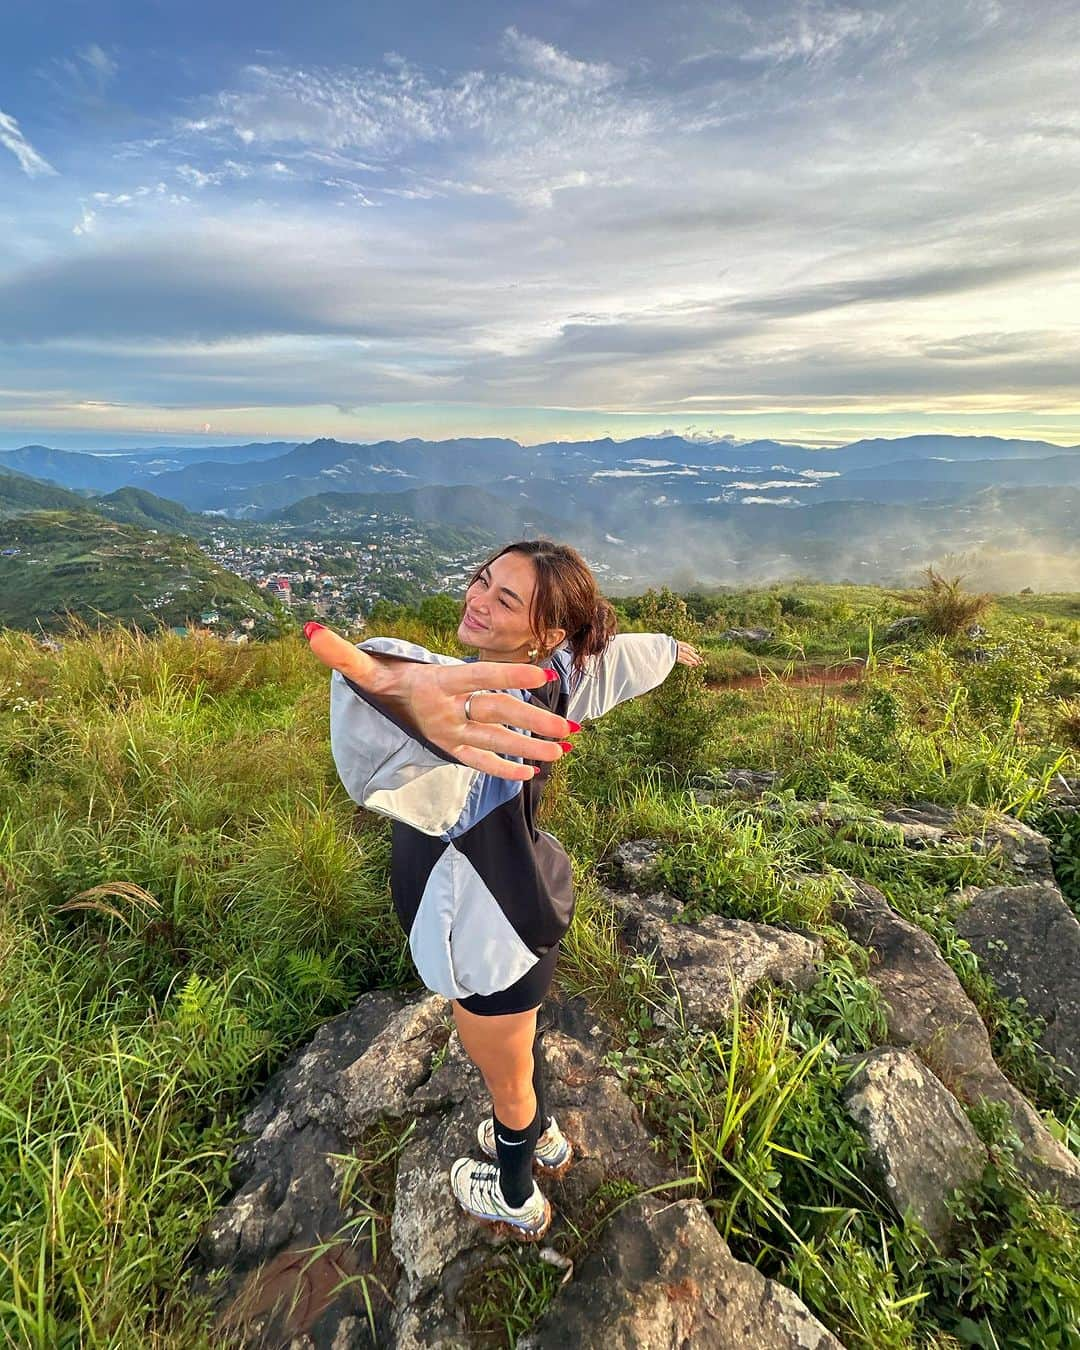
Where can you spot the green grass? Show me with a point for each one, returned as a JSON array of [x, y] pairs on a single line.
[[186, 895]]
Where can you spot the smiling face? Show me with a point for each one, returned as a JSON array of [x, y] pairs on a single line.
[[497, 609]]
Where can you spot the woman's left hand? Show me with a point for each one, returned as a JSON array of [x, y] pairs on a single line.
[[688, 655]]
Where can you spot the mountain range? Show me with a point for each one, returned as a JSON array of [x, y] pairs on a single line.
[[653, 506]]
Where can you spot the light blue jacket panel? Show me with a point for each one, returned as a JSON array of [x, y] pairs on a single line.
[[386, 767]]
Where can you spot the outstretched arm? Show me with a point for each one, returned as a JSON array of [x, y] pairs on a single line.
[[630, 665], [429, 696], [399, 736]]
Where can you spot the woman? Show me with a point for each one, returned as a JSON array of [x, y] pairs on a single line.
[[457, 753]]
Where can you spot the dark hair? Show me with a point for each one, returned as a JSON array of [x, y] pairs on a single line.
[[566, 596]]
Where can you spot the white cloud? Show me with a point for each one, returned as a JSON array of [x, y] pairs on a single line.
[[866, 215], [11, 137], [103, 65], [552, 64], [817, 32]]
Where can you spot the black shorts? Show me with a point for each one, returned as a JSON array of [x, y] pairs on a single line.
[[523, 994]]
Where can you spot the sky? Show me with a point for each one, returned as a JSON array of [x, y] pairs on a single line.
[[809, 221]]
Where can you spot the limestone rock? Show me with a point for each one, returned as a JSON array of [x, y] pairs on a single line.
[[747, 634], [379, 1064], [921, 1144], [927, 1008], [1028, 940], [742, 784], [632, 862], [1028, 851], [900, 629], [711, 959], [663, 1277], [922, 825], [394, 1065]]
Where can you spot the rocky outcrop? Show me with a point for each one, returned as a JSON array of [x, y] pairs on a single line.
[[921, 1145], [927, 1009], [634, 862], [901, 629], [1028, 940], [922, 824], [713, 960], [389, 1083], [663, 1277], [733, 785], [747, 634], [1026, 851]]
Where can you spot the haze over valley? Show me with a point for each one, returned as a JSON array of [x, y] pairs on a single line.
[[346, 524]]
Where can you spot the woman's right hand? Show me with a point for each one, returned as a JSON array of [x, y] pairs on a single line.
[[431, 698]]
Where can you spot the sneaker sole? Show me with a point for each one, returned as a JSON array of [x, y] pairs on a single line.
[[503, 1228]]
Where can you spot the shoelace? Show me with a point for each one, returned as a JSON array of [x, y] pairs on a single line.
[[490, 1191]]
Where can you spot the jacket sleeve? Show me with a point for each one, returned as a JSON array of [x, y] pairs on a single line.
[[631, 664], [385, 765]]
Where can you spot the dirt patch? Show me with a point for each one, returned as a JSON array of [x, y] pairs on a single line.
[[806, 676]]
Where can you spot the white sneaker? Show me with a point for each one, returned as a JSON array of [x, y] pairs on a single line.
[[476, 1188]]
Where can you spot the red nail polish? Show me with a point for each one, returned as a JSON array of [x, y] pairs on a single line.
[[574, 726], [550, 675], [536, 770], [312, 627], [567, 747]]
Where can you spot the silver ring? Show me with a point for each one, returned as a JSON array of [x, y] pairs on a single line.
[[468, 715]]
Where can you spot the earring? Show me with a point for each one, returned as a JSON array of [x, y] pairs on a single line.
[[533, 653]]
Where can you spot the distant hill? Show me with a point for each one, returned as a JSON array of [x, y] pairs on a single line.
[[464, 507], [106, 571], [19, 492], [108, 470], [134, 506], [137, 506], [1049, 471]]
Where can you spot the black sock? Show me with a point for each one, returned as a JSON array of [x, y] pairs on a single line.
[[538, 1084], [515, 1149]]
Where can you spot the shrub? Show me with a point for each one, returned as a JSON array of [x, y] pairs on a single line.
[[946, 609], [1068, 721]]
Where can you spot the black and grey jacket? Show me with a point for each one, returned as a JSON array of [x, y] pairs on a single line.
[[481, 891]]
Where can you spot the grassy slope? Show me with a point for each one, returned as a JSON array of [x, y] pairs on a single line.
[[137, 1029], [19, 492], [80, 562]]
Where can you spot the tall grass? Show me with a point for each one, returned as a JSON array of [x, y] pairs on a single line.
[[186, 893]]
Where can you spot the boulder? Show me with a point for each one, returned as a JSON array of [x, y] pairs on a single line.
[[633, 862], [747, 634], [1028, 940], [923, 824], [1028, 852], [927, 1009], [662, 1277], [712, 960], [926, 823], [390, 1080], [921, 1144], [900, 629], [743, 784]]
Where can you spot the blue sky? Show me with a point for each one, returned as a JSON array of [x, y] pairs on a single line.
[[806, 220]]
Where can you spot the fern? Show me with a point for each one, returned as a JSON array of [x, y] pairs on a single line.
[[217, 1043]]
